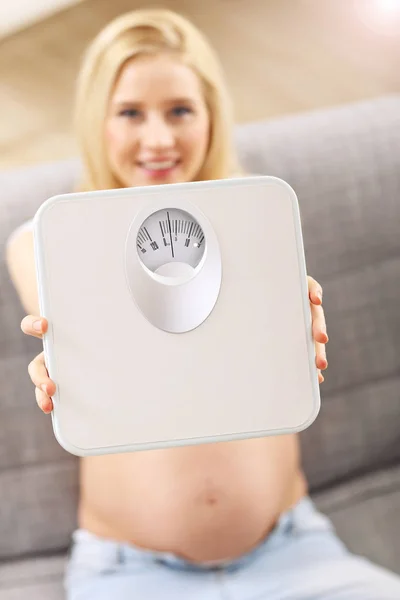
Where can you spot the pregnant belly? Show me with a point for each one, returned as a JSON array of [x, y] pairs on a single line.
[[204, 502]]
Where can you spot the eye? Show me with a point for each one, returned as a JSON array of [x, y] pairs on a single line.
[[131, 113], [181, 111]]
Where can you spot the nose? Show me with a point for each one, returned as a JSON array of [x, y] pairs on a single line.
[[157, 134]]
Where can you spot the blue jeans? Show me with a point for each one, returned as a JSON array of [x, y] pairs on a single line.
[[301, 559]]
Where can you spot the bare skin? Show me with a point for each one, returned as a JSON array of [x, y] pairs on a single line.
[[206, 502]]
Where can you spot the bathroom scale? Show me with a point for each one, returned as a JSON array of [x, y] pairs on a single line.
[[178, 314]]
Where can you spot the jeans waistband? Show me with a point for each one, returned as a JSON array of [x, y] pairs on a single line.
[[302, 515]]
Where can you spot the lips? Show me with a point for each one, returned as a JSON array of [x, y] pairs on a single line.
[[158, 165]]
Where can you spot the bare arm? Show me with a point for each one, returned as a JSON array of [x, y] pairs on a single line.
[[20, 260]]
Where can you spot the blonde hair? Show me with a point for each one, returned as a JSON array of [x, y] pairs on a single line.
[[133, 34]]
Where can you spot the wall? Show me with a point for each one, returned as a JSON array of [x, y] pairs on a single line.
[[17, 14]]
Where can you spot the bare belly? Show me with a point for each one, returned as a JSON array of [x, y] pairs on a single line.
[[205, 502]]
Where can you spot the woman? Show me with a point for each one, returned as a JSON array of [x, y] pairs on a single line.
[[227, 520]]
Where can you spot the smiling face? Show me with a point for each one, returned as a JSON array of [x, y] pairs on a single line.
[[157, 125]]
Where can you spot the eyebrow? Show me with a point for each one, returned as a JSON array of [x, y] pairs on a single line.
[[137, 103]]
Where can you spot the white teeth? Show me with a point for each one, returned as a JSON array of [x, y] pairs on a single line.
[[158, 166]]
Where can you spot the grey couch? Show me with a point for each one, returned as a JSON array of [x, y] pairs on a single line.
[[344, 164]]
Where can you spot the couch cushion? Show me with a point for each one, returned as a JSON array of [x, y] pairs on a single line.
[[366, 515], [33, 579], [38, 505], [344, 164]]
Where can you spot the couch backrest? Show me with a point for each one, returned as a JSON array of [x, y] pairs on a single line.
[[344, 164]]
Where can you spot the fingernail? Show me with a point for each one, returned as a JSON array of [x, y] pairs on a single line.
[[37, 325], [319, 295]]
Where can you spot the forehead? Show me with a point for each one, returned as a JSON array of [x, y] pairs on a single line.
[[154, 77]]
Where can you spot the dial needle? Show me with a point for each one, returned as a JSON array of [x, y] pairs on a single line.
[[170, 235]]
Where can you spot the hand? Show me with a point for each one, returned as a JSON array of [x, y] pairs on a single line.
[[45, 387], [318, 325]]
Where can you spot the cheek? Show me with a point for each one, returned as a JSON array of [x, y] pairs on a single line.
[[113, 138], [118, 141], [197, 138]]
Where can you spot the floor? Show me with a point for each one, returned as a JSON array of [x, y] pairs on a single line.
[[280, 56]]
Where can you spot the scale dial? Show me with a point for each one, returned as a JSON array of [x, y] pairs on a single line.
[[170, 242]]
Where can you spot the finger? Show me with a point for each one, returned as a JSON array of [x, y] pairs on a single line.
[[315, 291], [321, 378], [319, 324], [43, 401], [39, 375], [320, 357], [33, 325]]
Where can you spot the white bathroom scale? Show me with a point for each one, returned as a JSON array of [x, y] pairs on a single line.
[[178, 314]]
